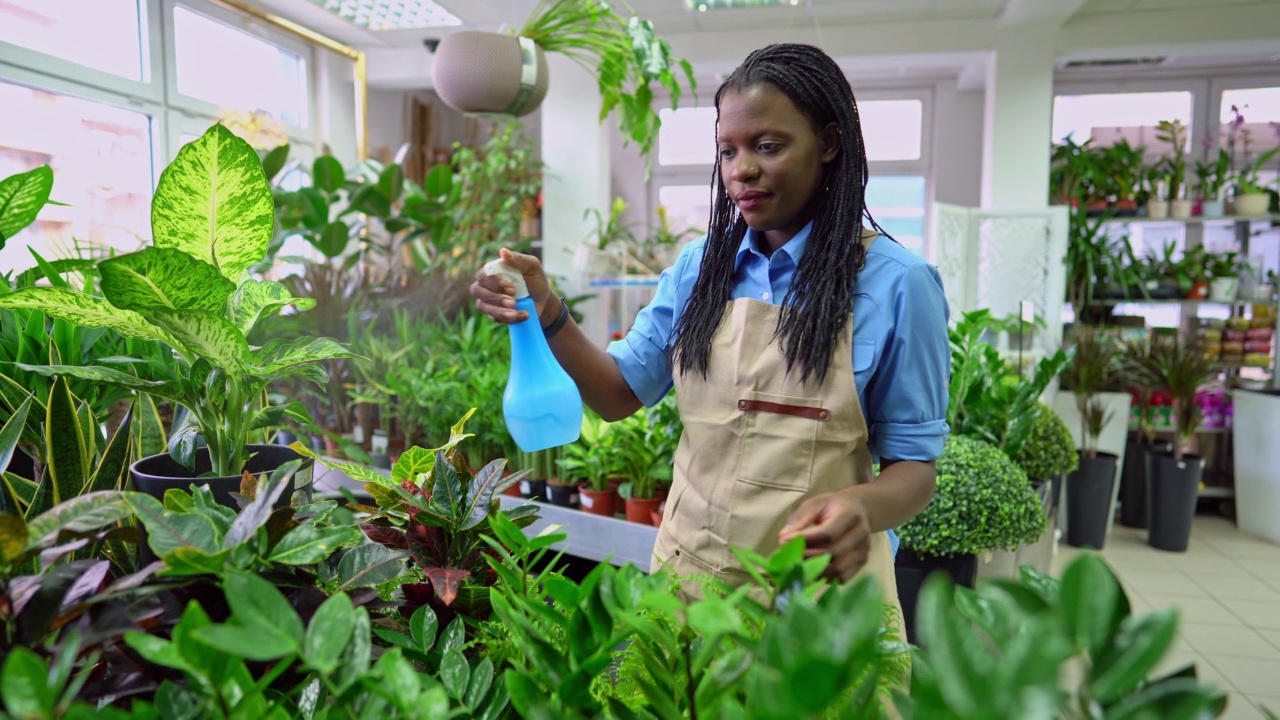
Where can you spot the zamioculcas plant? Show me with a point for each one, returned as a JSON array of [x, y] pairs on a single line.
[[211, 219]]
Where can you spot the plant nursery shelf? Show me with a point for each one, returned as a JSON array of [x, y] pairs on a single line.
[[1225, 219], [593, 537], [625, 281], [1216, 492], [1201, 431], [1185, 302]]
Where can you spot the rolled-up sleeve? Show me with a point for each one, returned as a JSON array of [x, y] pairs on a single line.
[[907, 400], [643, 355]]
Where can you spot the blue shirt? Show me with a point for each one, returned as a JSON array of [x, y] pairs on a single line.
[[901, 353]]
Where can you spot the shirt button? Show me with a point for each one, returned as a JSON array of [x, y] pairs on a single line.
[[765, 295]]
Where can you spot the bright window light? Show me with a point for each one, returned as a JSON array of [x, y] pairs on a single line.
[[688, 206], [687, 136], [1109, 117], [1260, 108], [705, 5], [102, 169], [238, 71], [101, 34], [391, 14]]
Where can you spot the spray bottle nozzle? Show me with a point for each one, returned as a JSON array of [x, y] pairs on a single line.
[[503, 269]]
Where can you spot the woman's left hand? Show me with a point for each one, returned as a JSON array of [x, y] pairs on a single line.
[[834, 523]]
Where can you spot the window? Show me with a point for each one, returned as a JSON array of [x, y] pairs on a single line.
[[897, 203], [101, 34], [687, 136], [1259, 109], [102, 164], [1109, 117], [234, 70]]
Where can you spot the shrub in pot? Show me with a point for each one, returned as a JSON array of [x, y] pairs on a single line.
[[212, 218], [1049, 452], [1173, 478], [983, 502], [1091, 371]]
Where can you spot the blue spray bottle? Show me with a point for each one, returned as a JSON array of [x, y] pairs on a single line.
[[541, 405]]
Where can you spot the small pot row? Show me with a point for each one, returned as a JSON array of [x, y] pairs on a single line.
[[643, 511]]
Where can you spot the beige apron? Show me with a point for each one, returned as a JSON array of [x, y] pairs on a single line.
[[756, 443]]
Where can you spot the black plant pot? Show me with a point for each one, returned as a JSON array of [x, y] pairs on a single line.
[[911, 569], [563, 495], [1172, 489], [1089, 500], [534, 489], [1133, 482], [158, 473], [1055, 492]]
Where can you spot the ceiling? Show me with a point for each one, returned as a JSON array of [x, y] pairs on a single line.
[[1093, 7]]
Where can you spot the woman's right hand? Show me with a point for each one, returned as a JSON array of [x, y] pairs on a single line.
[[495, 297]]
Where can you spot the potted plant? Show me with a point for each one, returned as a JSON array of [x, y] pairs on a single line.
[[1090, 372], [983, 502], [594, 460], [1135, 372], [641, 466], [480, 72], [212, 217], [1049, 453], [1175, 133], [1224, 276], [1212, 176], [1173, 478], [1252, 197], [1125, 166]]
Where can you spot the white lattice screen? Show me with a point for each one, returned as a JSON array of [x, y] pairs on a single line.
[[996, 259]]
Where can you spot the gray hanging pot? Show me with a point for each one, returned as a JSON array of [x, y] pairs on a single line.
[[490, 73]]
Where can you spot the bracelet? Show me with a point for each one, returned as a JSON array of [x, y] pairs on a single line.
[[551, 330]]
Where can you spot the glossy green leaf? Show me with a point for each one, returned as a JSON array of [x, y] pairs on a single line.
[[256, 603], [413, 462], [213, 202], [391, 182], [85, 513], [308, 544], [455, 673], [480, 494], [274, 161], [254, 515], [333, 239], [446, 491], [256, 299], [21, 198], [112, 471], [190, 562], [401, 682], [149, 431], [329, 633], [357, 654], [168, 530], [353, 470], [24, 686], [315, 208], [439, 180], [481, 682], [327, 173], [279, 354], [369, 565], [164, 278], [423, 626], [10, 434], [1132, 654], [1090, 599], [206, 335], [66, 455], [250, 643], [81, 309], [273, 416]]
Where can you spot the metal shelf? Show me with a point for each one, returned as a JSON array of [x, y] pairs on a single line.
[[593, 537], [624, 281], [1217, 492], [1184, 302], [1196, 220]]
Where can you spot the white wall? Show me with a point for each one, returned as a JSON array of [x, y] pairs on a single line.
[[335, 94], [388, 122], [957, 145]]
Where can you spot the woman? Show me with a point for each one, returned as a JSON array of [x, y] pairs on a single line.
[[801, 346]]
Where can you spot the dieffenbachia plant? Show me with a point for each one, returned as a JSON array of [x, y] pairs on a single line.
[[211, 219]]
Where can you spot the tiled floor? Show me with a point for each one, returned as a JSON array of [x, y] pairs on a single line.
[[1227, 586]]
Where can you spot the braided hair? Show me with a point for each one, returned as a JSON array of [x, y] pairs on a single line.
[[818, 304]]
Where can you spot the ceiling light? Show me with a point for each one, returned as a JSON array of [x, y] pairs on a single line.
[[704, 5], [391, 14]]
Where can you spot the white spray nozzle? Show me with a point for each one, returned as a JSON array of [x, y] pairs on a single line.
[[510, 274]]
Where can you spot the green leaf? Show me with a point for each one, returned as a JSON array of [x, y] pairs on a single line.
[[274, 161], [256, 513], [391, 182], [250, 643], [10, 434], [439, 180], [113, 466], [315, 208], [24, 685], [279, 354], [190, 562], [446, 492], [64, 439], [327, 173], [354, 471], [1136, 649], [21, 198], [423, 626], [13, 537], [149, 433], [333, 239], [308, 544], [270, 417], [329, 632], [100, 374], [368, 565], [480, 493], [168, 530], [164, 278], [356, 655], [481, 681], [87, 513], [415, 461], [1090, 599], [455, 673], [256, 603], [206, 335], [214, 203], [81, 309], [256, 299]]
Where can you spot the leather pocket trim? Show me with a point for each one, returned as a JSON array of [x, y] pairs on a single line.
[[812, 413]]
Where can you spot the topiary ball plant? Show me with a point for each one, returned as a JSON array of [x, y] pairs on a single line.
[[1050, 450], [983, 502]]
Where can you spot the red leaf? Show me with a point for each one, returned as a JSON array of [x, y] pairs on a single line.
[[411, 487], [249, 485], [387, 536], [445, 582]]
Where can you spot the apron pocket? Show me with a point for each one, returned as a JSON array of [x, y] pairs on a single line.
[[779, 434], [756, 516]]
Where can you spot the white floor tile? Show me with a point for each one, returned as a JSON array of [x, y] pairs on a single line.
[[1239, 707], [1164, 582], [1270, 702], [1236, 587], [1204, 610], [1244, 642], [1248, 675], [1265, 569], [1264, 615]]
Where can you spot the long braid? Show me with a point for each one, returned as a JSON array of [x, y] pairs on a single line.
[[818, 304]]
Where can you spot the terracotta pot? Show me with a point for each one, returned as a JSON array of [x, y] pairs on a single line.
[[657, 514], [514, 490], [1199, 291], [485, 72], [640, 510], [598, 502]]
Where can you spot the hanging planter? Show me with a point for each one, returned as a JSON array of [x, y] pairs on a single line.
[[489, 73]]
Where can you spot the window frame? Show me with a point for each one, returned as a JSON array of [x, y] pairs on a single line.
[[1198, 87]]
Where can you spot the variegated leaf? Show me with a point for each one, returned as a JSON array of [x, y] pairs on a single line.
[[279, 354], [85, 513], [207, 335], [354, 471], [164, 278], [67, 464], [21, 198], [105, 375], [81, 309], [213, 202], [255, 299]]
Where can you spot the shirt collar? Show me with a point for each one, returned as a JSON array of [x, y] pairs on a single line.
[[794, 249]]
